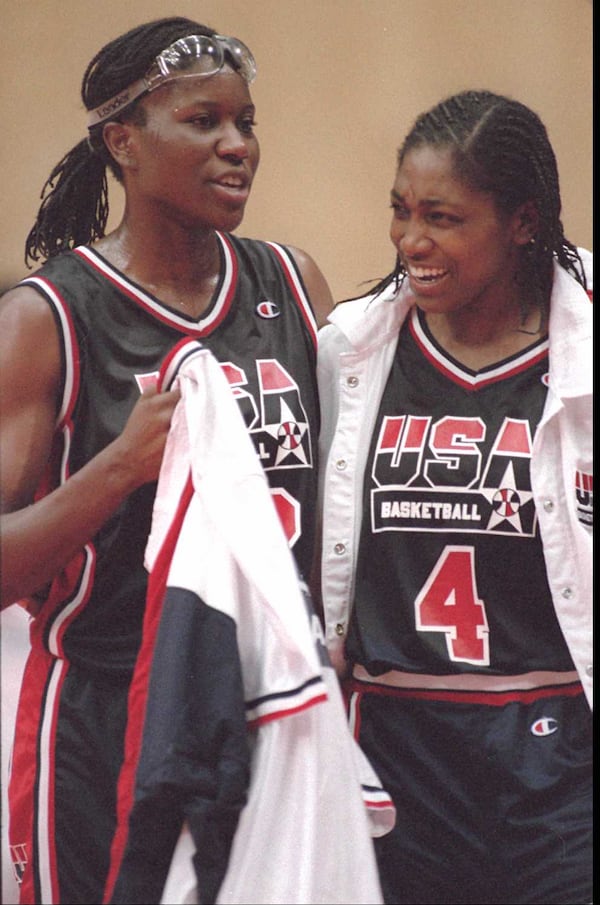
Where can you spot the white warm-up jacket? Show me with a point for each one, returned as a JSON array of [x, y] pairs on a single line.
[[237, 709]]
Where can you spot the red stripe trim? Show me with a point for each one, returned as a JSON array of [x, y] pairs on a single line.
[[280, 714], [293, 277], [462, 377], [49, 829], [230, 282], [23, 779], [69, 593], [138, 693], [352, 694], [584, 481], [70, 346], [79, 597], [489, 698], [65, 585], [204, 325], [381, 805], [173, 360], [31, 787]]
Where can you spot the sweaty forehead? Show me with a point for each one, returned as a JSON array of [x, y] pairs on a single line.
[[428, 174], [427, 161]]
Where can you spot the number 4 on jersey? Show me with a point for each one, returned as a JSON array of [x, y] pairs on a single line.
[[448, 602]]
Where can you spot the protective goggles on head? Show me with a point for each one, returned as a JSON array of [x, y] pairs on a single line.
[[194, 56]]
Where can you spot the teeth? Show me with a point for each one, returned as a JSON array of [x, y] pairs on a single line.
[[426, 273]]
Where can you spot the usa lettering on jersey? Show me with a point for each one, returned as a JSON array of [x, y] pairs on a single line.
[[277, 423], [434, 476]]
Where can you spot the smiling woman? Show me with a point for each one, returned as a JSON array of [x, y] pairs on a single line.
[[460, 252], [171, 115], [457, 516]]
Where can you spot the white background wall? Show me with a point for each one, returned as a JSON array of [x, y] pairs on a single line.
[[339, 85]]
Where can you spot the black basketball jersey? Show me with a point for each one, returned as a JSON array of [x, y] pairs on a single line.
[[451, 575], [115, 335]]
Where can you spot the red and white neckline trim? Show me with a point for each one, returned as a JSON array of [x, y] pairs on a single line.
[[473, 380], [201, 326]]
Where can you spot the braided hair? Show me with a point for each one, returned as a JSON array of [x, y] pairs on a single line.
[[500, 146], [74, 208]]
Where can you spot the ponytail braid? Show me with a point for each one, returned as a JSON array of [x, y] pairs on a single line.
[[74, 207]]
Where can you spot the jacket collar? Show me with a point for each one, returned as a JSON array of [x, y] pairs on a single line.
[[370, 319], [570, 331]]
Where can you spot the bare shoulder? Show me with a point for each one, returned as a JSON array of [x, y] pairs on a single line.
[[29, 342], [316, 284], [23, 307]]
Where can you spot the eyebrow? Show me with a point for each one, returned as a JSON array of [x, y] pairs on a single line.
[[427, 202], [200, 102]]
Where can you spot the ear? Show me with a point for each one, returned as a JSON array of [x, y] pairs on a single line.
[[118, 138], [526, 222]]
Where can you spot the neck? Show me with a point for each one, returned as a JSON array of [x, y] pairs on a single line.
[[180, 267], [478, 341], [164, 250]]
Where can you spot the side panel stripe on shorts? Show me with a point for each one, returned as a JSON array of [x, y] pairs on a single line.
[[31, 781], [45, 828]]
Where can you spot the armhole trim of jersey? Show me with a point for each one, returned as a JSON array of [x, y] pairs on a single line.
[[69, 346], [294, 278]]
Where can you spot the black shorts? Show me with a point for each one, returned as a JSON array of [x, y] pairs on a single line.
[[66, 760], [494, 803]]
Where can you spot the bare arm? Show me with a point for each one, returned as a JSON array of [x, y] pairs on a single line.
[[39, 538], [316, 285]]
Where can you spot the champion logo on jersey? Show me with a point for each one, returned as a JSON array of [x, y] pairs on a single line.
[[584, 498], [267, 309], [546, 725], [546, 379]]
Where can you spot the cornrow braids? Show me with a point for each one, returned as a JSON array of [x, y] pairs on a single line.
[[501, 146], [74, 209]]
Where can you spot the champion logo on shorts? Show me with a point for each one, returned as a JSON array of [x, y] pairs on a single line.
[[584, 498], [546, 725], [267, 309]]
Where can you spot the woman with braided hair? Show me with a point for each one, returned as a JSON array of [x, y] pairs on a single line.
[[457, 517], [82, 340]]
